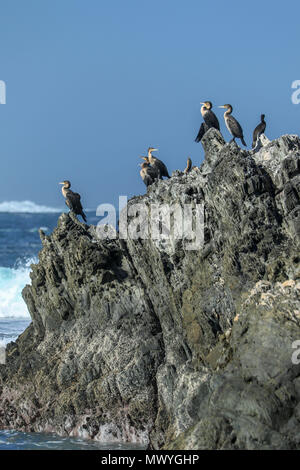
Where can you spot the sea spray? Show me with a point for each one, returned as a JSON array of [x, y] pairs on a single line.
[[27, 207], [14, 316], [12, 281]]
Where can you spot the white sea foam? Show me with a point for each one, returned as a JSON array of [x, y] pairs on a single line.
[[36, 229], [27, 207], [12, 282]]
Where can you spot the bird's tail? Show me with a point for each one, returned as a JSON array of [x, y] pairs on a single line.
[[200, 133], [243, 141], [83, 216]]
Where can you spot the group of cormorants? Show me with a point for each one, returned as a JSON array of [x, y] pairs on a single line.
[[234, 127], [153, 169]]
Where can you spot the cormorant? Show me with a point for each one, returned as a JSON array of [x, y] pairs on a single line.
[[148, 174], [260, 129], [210, 120], [157, 164], [232, 125], [72, 199], [188, 166]]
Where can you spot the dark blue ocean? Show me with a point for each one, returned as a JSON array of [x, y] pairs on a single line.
[[19, 247]]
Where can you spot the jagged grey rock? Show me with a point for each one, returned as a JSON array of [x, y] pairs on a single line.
[[147, 341], [2, 355]]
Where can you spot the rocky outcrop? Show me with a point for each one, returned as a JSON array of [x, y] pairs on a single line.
[[148, 341]]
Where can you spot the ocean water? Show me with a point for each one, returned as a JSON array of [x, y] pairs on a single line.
[[12, 440], [19, 247]]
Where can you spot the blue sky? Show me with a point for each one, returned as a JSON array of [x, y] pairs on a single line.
[[92, 83]]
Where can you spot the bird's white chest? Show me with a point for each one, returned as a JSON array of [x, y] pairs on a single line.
[[64, 192], [227, 124]]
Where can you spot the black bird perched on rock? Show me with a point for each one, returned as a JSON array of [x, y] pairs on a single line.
[[210, 120], [72, 199], [260, 129], [148, 174], [232, 124], [157, 164]]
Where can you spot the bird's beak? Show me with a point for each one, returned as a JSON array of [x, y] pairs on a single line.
[[221, 106], [61, 183], [154, 150], [201, 102]]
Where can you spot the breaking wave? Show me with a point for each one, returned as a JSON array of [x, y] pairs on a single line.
[[27, 207], [12, 282]]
